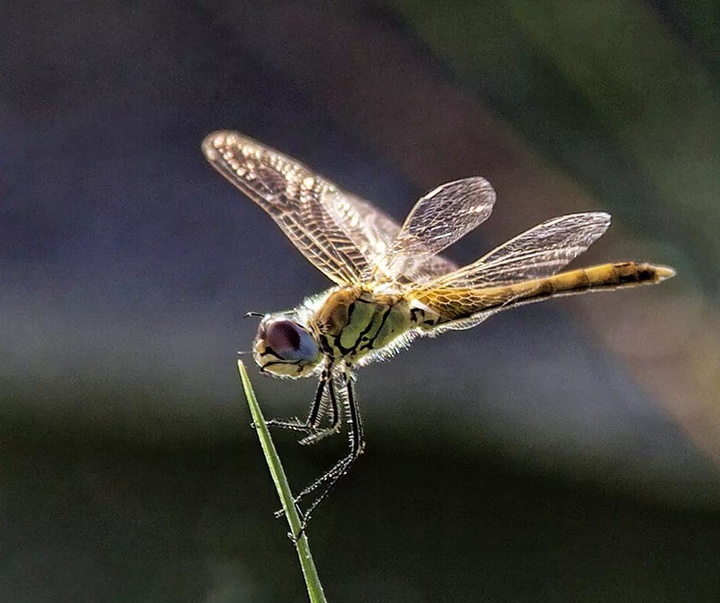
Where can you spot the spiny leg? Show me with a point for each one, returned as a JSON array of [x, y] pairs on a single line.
[[318, 434], [357, 443], [317, 412], [319, 407], [334, 425]]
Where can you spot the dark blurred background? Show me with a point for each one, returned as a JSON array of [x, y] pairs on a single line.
[[561, 452]]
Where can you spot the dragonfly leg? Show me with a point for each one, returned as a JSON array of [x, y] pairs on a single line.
[[317, 410], [357, 443], [334, 426]]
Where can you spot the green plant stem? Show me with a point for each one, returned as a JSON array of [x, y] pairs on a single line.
[[312, 581]]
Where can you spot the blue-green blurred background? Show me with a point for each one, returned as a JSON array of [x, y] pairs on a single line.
[[561, 452]]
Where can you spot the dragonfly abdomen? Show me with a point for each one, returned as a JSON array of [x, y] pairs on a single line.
[[456, 303], [605, 276]]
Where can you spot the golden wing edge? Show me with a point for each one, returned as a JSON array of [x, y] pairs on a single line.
[[324, 255], [211, 149], [228, 138]]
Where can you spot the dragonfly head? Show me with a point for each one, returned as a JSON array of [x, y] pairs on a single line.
[[285, 347]]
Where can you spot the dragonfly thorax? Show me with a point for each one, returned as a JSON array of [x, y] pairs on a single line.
[[352, 323]]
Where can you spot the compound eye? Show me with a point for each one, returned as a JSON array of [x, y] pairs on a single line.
[[289, 340]]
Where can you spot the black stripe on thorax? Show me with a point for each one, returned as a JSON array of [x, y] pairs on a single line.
[[369, 343]]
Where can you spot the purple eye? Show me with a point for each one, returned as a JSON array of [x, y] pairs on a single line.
[[288, 340]]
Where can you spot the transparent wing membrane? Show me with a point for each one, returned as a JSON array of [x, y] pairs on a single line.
[[536, 253], [342, 235], [371, 230], [296, 199], [439, 219]]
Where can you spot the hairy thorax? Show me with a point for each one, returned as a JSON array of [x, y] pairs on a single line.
[[353, 322]]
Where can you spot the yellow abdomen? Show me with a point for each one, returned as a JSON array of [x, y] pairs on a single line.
[[455, 303]]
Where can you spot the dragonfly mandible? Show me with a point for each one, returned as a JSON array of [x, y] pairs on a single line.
[[390, 284]]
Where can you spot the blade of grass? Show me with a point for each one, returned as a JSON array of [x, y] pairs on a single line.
[[312, 581]]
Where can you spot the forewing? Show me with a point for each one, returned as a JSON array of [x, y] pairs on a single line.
[[372, 231], [422, 269], [536, 253], [438, 219], [308, 208]]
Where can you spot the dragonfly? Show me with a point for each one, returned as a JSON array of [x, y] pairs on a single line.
[[391, 286]]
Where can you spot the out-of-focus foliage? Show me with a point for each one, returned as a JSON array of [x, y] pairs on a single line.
[[623, 94]]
